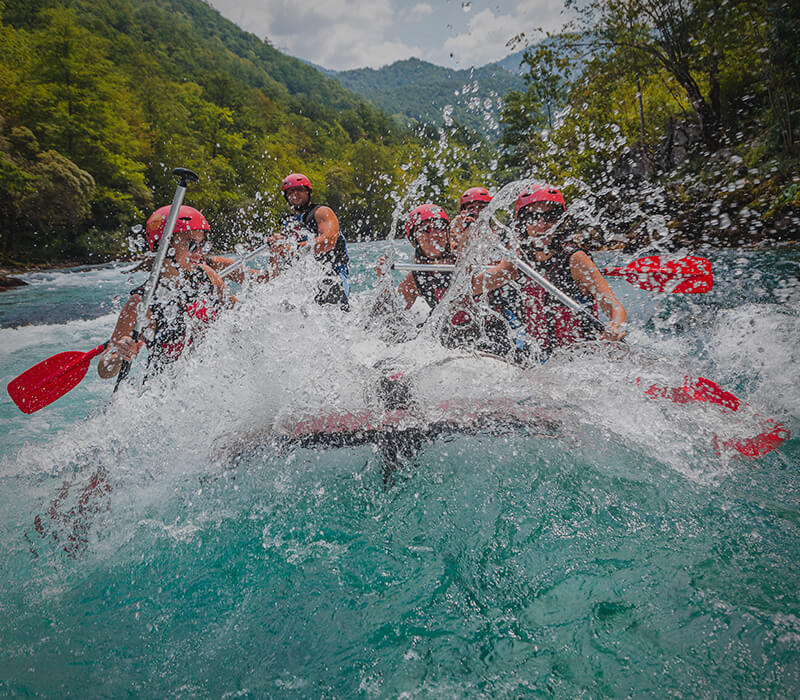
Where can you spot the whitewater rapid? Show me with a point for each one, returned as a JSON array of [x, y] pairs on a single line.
[[278, 357]]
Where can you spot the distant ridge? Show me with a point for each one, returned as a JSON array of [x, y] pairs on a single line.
[[512, 63], [419, 91]]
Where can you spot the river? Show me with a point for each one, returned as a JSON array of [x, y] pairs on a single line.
[[168, 543]]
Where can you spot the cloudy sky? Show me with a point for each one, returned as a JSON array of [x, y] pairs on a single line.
[[343, 34]]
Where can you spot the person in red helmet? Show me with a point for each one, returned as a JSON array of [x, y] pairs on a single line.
[[428, 230], [545, 232], [187, 298], [316, 226], [473, 202]]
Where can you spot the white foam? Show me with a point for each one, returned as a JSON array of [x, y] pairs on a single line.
[[278, 356], [12, 340], [760, 342]]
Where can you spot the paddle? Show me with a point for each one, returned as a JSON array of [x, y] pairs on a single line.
[[699, 390], [689, 275], [244, 259], [51, 378], [47, 381], [185, 176]]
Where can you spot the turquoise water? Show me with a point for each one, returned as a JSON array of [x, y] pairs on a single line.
[[623, 557]]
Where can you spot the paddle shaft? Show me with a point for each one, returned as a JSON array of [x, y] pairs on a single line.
[[524, 267], [163, 246], [245, 258], [423, 267]]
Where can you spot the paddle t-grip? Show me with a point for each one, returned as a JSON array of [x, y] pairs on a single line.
[[185, 175]]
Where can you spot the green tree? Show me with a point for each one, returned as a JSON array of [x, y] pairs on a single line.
[[522, 119], [61, 201]]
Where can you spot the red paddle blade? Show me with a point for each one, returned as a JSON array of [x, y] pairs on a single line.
[[701, 390], [50, 379], [773, 434], [689, 275]]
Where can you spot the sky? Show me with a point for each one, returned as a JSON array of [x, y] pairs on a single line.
[[345, 34]]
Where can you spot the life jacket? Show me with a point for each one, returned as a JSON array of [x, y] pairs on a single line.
[[432, 285], [547, 321], [490, 333], [335, 286], [179, 307], [506, 326]]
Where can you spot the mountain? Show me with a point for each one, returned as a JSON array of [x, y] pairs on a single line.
[[100, 99], [418, 91], [512, 63]]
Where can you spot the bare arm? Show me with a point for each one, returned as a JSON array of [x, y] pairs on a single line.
[[220, 262], [408, 290], [121, 347], [458, 230], [591, 282], [328, 226], [496, 276], [215, 279]]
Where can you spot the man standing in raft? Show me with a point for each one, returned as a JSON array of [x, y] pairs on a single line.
[[545, 230], [315, 225], [187, 298]]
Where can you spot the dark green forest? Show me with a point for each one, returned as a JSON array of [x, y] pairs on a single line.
[[684, 110], [100, 99], [694, 103]]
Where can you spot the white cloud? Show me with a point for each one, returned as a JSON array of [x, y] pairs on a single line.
[[342, 34], [420, 10], [487, 34], [338, 34]]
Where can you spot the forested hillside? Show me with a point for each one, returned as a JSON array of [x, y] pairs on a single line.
[[656, 110], [100, 99], [419, 91], [691, 109]]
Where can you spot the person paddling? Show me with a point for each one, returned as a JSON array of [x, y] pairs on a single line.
[[428, 230], [545, 231], [473, 202], [315, 227], [188, 297]]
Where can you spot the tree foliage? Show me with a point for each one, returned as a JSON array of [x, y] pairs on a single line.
[[100, 99], [680, 90]]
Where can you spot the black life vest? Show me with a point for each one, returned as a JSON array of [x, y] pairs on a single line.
[[433, 285], [181, 305], [547, 320], [335, 286]]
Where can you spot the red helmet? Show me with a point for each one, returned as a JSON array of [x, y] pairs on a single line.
[[296, 180], [475, 194], [189, 219], [538, 193], [424, 212]]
